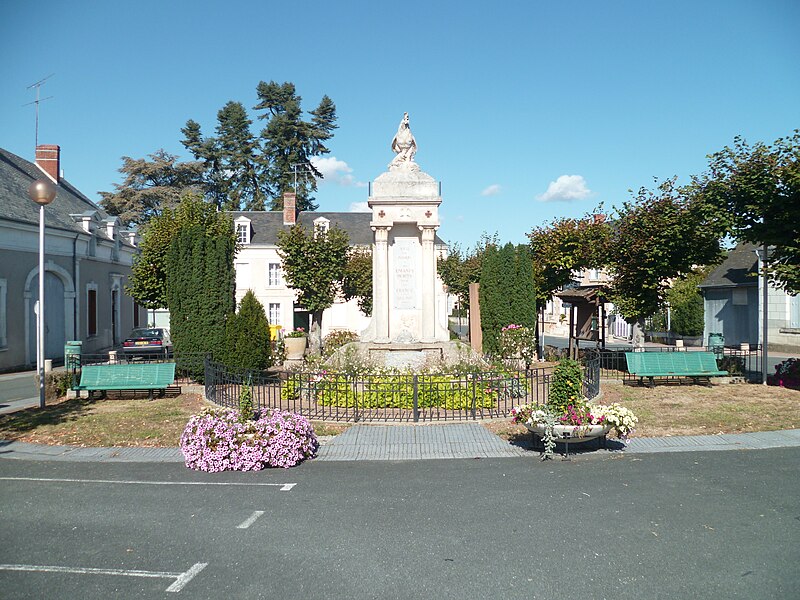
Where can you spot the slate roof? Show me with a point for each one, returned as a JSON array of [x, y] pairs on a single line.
[[740, 268], [265, 225], [16, 174]]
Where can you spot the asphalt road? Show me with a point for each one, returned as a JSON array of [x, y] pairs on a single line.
[[17, 391], [678, 525]]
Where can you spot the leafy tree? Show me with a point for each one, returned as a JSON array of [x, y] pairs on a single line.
[[232, 160], [314, 263], [357, 281], [148, 282], [150, 187], [564, 247], [247, 342], [462, 267], [756, 190], [289, 141], [686, 304], [660, 236]]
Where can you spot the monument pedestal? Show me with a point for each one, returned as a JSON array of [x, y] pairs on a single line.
[[409, 303]]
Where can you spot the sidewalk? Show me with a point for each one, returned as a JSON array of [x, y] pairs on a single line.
[[417, 442]]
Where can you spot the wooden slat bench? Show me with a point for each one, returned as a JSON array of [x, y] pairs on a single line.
[[672, 364], [145, 376]]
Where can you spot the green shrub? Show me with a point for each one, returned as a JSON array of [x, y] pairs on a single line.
[[247, 343], [565, 385], [246, 412], [397, 390]]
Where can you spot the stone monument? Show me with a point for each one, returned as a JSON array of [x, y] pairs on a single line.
[[409, 306]]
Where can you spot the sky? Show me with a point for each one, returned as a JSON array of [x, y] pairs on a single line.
[[525, 111]]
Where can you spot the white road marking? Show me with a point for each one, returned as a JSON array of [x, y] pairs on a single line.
[[250, 520], [285, 487], [181, 579], [186, 577]]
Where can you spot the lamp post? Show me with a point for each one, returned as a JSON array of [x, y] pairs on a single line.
[[42, 192], [763, 255]]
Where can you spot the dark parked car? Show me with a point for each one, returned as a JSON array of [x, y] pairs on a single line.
[[151, 341]]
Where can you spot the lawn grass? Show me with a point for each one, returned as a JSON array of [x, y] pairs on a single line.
[[108, 422], [688, 409], [115, 422], [665, 410]]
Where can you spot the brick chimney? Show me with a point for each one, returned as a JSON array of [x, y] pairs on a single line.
[[48, 158], [289, 208]]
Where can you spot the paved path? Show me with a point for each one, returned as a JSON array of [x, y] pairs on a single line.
[[417, 442]]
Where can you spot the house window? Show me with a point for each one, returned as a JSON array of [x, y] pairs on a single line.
[[794, 312], [274, 313], [594, 274], [242, 276], [91, 310], [3, 325], [242, 234], [274, 274], [321, 225]]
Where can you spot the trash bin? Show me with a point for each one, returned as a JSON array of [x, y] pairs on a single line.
[[716, 343], [72, 354]]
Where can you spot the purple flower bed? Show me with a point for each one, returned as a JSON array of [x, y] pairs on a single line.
[[215, 440]]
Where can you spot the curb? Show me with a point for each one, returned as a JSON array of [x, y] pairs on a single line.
[[413, 443]]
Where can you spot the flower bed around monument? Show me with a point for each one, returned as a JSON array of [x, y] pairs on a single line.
[[392, 389]]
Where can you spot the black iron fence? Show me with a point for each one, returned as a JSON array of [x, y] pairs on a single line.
[[333, 396], [738, 362]]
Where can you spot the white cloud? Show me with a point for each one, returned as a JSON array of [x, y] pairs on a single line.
[[336, 171], [492, 190], [359, 207], [566, 189]]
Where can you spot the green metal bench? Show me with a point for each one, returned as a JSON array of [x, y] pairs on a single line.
[[146, 376], [672, 364]]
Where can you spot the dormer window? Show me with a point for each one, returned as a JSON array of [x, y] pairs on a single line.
[[242, 230], [321, 225]]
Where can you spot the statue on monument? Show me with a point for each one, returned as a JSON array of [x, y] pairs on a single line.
[[405, 146]]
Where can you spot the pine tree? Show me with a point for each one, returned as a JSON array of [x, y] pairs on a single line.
[[289, 142], [247, 343], [199, 279], [523, 298]]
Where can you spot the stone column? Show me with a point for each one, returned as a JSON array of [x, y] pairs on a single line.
[[428, 284], [380, 281]]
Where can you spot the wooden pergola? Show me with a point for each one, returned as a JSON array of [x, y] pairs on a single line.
[[587, 315]]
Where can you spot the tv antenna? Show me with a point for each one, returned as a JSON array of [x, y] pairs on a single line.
[[303, 168], [38, 85]]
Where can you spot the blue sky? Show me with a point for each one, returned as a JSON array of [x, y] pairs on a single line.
[[525, 111]]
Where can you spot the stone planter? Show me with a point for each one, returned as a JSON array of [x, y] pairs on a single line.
[[573, 434], [295, 347]]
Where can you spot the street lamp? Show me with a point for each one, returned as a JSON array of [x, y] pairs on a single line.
[[42, 192]]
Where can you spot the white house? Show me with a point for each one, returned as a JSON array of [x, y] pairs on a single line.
[[258, 265]]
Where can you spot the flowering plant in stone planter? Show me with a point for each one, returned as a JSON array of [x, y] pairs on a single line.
[[568, 416], [297, 333]]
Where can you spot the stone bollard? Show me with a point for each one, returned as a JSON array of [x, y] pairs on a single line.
[[48, 365], [112, 357]]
